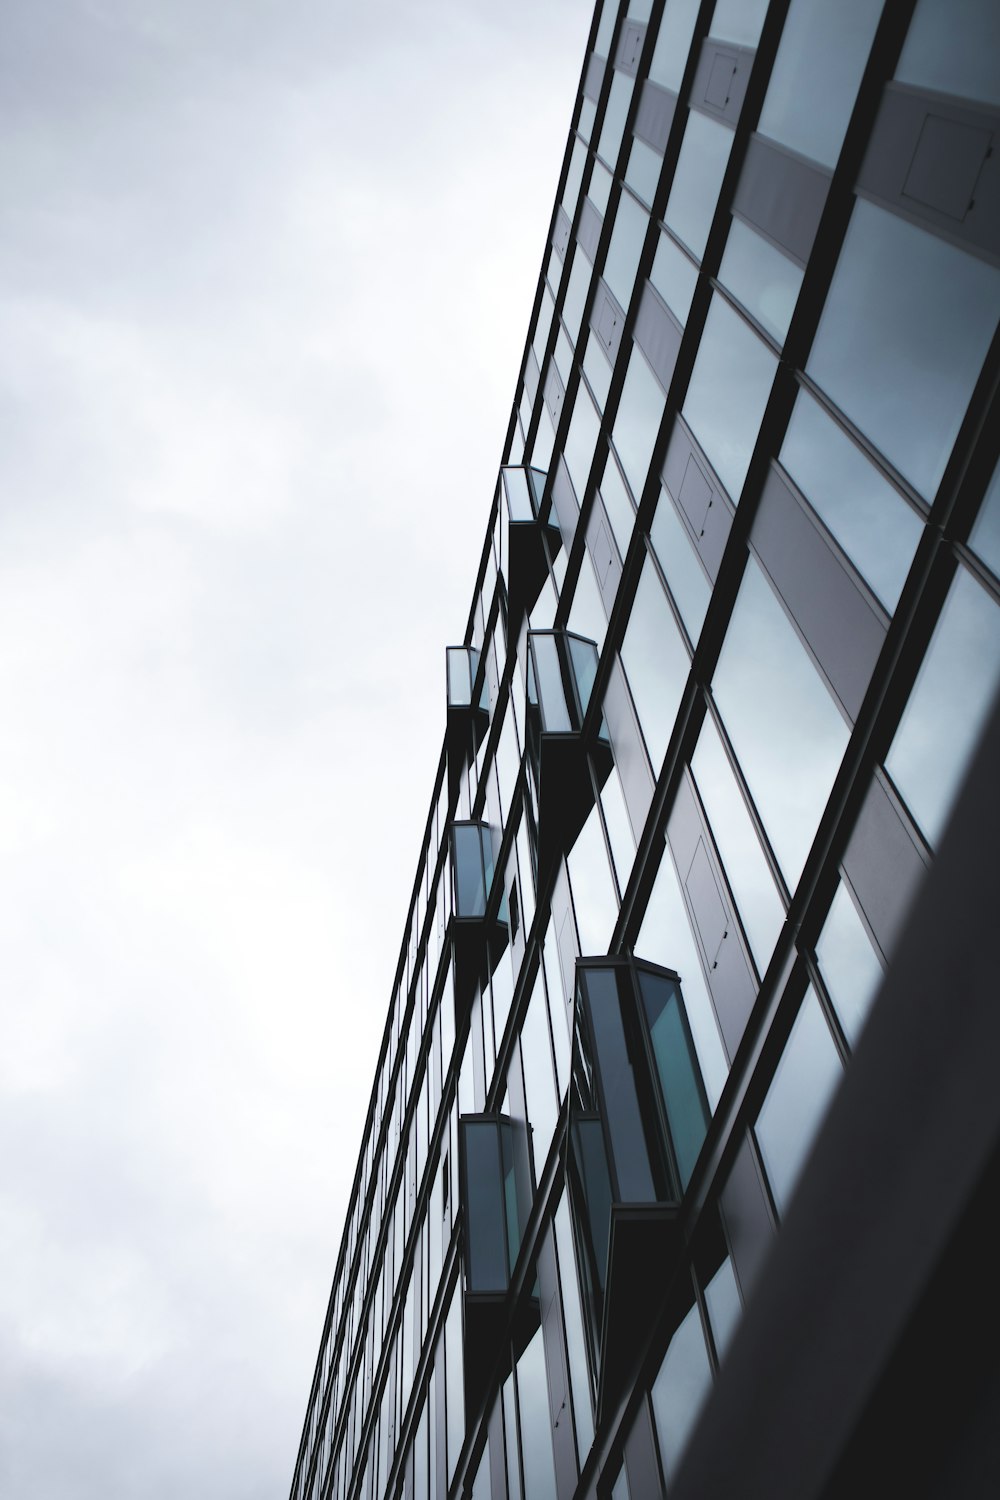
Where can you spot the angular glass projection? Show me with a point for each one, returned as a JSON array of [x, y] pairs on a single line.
[[528, 543], [638, 1118]]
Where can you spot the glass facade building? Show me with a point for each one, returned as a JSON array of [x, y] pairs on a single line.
[[677, 1154]]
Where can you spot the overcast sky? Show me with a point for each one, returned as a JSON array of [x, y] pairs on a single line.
[[265, 274]]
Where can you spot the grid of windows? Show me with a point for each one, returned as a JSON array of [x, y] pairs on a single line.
[[735, 633]]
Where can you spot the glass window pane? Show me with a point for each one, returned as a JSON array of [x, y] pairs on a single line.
[[588, 110], [949, 702], [849, 964], [575, 1344], [786, 732], [619, 826], [761, 277], [576, 296], [953, 46], [697, 179], [673, 43], [454, 1381], [681, 567], [656, 663], [618, 504], [606, 30], [750, 879], [599, 190], [643, 171], [594, 899], [597, 369], [536, 1062], [796, 1102], [814, 83], [725, 401], [871, 520], [574, 177], [581, 440], [546, 309], [665, 937], [985, 537], [680, 1388], [722, 1298], [619, 99], [625, 248], [674, 277], [904, 333], [637, 421], [536, 1434], [738, 21]]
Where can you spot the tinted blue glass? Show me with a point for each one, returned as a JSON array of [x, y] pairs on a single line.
[[906, 327], [470, 889], [730, 384], [676, 1069], [796, 1102], [674, 277], [951, 697], [697, 179], [871, 521], [952, 46], [485, 1229], [786, 732], [761, 277], [625, 248], [849, 965], [621, 1104], [816, 73], [673, 43], [681, 567], [656, 662], [637, 421]]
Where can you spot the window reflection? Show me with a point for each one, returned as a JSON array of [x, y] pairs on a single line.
[[594, 901], [985, 537], [871, 521], [576, 295], [656, 663], [581, 440], [637, 422], [680, 1388], [681, 567], [760, 908], [597, 369], [948, 705], [613, 128], [643, 171], [793, 1110], [697, 179], [814, 83], [625, 248], [674, 277], [849, 965], [738, 21], [574, 177], [781, 720], [599, 190], [761, 277], [729, 387], [722, 1298], [952, 46], [903, 336], [673, 43], [617, 503]]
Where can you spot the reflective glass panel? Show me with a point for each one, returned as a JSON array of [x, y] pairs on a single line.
[[617, 503], [576, 296], [746, 868], [907, 324], [536, 1063], [985, 536], [597, 369], [665, 937], [563, 356], [625, 248], [536, 1434], [656, 662], [681, 567], [588, 110], [581, 440], [722, 1298], [849, 965], [637, 421], [680, 1388], [793, 1110], [574, 177], [614, 117], [546, 308], [738, 21], [594, 899], [761, 277], [814, 83], [606, 30], [729, 387], [786, 732], [575, 1343], [871, 520], [952, 46], [674, 277], [697, 179], [599, 190], [948, 705], [643, 171], [673, 43]]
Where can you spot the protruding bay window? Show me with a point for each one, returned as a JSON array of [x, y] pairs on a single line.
[[468, 710], [529, 543], [479, 917], [638, 1118]]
